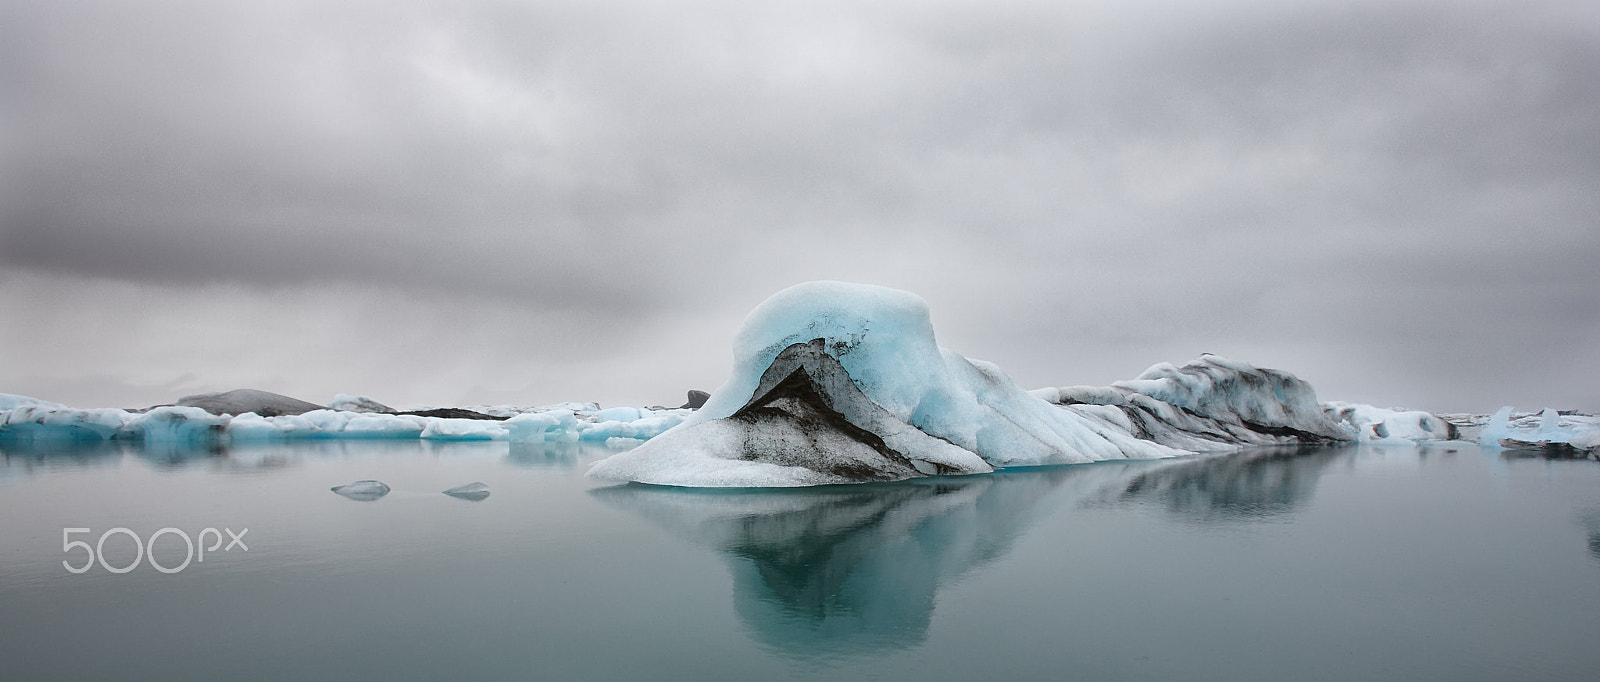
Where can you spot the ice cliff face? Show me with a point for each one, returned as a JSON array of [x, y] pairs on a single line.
[[839, 383]]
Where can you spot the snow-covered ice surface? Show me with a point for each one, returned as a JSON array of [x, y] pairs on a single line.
[[838, 383]]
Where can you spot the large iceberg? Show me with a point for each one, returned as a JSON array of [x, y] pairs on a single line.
[[840, 383]]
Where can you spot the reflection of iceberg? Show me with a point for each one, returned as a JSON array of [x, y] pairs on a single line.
[[839, 571], [552, 455], [1591, 523], [1255, 485], [178, 454], [22, 457], [28, 459], [559, 455]]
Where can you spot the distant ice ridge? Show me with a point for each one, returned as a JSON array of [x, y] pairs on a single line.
[[839, 383], [23, 418]]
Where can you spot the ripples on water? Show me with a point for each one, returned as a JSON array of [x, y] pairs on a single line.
[[1332, 563]]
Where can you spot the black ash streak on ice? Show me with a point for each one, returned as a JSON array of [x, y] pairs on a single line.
[[1393, 198], [822, 421], [808, 413]]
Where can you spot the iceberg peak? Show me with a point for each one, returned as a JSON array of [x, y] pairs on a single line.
[[882, 337]]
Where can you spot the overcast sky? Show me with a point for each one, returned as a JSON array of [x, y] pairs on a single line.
[[467, 201]]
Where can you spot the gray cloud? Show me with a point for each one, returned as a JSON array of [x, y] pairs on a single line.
[[1079, 189]]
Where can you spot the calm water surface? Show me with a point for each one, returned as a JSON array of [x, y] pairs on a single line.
[[1442, 563]]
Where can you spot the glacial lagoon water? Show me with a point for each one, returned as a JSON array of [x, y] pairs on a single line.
[[1356, 563]]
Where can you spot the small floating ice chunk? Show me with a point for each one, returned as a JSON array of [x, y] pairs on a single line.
[[363, 491], [472, 491]]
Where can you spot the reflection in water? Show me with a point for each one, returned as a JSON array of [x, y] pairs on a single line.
[[1591, 523], [1247, 486], [839, 571], [24, 457], [546, 455], [179, 455], [1548, 451]]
